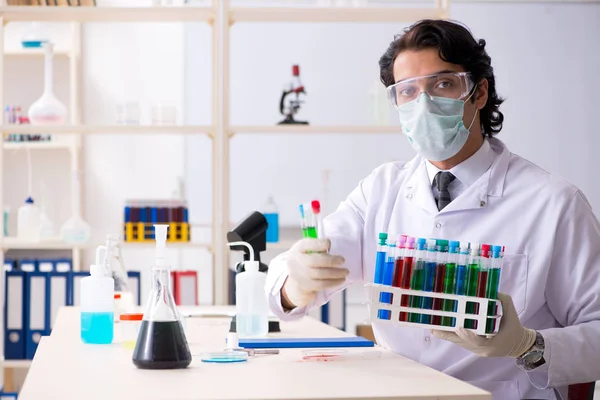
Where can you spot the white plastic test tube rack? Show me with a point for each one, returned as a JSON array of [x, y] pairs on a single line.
[[373, 301]]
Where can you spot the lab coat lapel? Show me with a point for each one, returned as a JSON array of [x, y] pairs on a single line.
[[418, 190], [491, 183]]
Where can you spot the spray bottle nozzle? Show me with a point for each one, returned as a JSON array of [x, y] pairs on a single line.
[[251, 265], [98, 268]]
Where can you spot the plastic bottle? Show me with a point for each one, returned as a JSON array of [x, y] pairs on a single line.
[[97, 304], [271, 213], [252, 309], [28, 221], [161, 343]]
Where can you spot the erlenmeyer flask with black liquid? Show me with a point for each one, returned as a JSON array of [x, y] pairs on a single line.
[[161, 340]]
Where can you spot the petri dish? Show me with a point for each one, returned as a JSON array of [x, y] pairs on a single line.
[[224, 356]]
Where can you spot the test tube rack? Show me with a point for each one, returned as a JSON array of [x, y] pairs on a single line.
[[375, 304]]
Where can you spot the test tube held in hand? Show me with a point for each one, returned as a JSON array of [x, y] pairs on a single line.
[[482, 276], [429, 278], [380, 265], [318, 219], [472, 277], [493, 282], [388, 276], [450, 282], [416, 280], [406, 276], [439, 276]]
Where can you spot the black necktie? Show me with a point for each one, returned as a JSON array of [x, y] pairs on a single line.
[[442, 181]]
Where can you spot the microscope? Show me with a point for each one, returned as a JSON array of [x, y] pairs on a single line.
[[295, 89], [252, 230]]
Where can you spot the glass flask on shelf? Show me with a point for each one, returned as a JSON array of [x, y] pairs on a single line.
[[48, 110]]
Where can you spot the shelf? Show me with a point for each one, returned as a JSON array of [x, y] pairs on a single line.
[[170, 245], [56, 145], [118, 129], [46, 244], [15, 363], [316, 129], [106, 14], [332, 14], [34, 52]]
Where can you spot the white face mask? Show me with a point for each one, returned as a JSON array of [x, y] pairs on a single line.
[[434, 126]]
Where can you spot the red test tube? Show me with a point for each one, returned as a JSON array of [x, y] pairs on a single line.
[[407, 267]]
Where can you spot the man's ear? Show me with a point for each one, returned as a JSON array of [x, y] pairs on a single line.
[[481, 94]]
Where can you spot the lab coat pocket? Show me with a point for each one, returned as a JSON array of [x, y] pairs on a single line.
[[513, 279], [500, 390]]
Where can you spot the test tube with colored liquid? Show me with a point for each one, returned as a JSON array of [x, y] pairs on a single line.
[[416, 280], [472, 277], [482, 276], [428, 278], [440, 274], [380, 264], [493, 281], [460, 286], [449, 281], [403, 279], [399, 262], [317, 220], [388, 277], [303, 221]]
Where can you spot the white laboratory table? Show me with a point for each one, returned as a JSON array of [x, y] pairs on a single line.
[[65, 368]]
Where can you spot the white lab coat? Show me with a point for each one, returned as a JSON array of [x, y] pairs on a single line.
[[551, 265]]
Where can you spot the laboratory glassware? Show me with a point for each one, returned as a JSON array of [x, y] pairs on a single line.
[[117, 270], [161, 343], [48, 110]]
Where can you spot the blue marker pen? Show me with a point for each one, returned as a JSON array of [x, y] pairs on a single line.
[[429, 277]]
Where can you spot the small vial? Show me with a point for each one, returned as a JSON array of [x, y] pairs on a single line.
[[130, 327]]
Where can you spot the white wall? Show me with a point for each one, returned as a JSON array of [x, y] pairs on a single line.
[[546, 59]]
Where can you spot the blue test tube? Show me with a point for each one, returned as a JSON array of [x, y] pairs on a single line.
[[388, 277], [428, 278], [380, 266]]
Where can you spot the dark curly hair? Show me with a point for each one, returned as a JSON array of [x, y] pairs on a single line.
[[455, 45]]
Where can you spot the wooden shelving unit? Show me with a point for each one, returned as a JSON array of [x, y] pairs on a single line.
[[221, 17], [107, 129], [315, 129], [106, 14]]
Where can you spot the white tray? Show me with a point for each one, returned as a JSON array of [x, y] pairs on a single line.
[[373, 296]]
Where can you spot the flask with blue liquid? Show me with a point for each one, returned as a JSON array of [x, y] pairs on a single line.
[[271, 213], [97, 303]]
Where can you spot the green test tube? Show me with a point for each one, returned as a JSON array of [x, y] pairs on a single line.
[[472, 277], [416, 280], [450, 282]]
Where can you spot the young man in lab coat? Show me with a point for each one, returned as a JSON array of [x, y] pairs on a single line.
[[464, 184]]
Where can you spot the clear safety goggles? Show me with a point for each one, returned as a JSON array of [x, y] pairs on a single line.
[[451, 85]]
